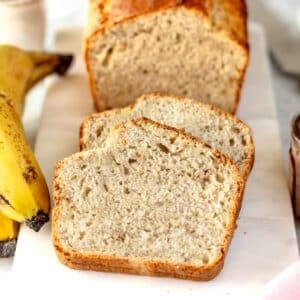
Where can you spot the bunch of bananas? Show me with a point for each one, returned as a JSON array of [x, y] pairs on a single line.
[[24, 195]]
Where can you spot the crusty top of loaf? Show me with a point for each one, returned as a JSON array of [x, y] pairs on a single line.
[[226, 16]]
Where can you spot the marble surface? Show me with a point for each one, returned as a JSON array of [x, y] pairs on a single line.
[[286, 87], [264, 242], [286, 90]]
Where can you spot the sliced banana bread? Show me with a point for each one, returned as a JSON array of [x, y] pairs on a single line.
[[218, 129], [196, 49], [154, 201]]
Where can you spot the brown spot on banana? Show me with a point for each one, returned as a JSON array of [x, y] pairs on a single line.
[[30, 174], [26, 159]]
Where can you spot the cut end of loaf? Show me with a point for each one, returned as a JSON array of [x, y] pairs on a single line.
[[155, 201], [173, 51]]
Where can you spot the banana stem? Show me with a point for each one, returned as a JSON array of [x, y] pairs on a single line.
[[8, 236], [37, 221], [45, 64], [20, 70], [8, 248]]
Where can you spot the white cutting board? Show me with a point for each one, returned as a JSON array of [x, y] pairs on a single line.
[[264, 242]]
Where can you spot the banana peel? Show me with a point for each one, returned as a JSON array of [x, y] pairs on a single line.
[[24, 195], [21, 70]]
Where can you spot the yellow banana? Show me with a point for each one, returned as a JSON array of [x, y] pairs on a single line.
[[23, 190], [8, 236], [24, 195], [20, 70]]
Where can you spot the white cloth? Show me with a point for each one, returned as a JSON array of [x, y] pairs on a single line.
[[285, 286], [281, 19]]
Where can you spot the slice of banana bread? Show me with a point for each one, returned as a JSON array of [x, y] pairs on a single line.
[[154, 201], [218, 129], [196, 49]]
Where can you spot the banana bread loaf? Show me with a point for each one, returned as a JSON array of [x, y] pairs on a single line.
[[192, 48]]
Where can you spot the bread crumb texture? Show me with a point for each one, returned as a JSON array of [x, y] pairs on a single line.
[[178, 50], [220, 130], [153, 194]]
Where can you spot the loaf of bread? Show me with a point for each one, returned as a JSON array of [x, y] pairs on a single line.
[[191, 48], [154, 201], [217, 128]]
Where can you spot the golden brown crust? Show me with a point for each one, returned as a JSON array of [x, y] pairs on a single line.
[[96, 262], [89, 118], [118, 10], [234, 22], [224, 159], [83, 132], [240, 25], [107, 13], [89, 261], [104, 14]]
